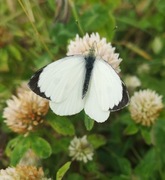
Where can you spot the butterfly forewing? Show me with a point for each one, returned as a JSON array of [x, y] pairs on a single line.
[[33, 84], [62, 82]]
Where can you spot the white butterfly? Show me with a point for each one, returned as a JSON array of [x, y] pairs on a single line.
[[81, 82]]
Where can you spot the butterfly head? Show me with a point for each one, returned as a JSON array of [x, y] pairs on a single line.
[[93, 50]]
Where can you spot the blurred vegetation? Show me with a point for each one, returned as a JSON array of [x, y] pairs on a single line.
[[35, 33]]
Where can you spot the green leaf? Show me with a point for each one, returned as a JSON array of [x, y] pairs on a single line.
[[62, 125], [145, 132], [60, 145], [98, 12], [15, 52], [97, 140], [11, 145], [131, 129], [88, 122], [52, 5], [41, 147], [61, 172], [158, 134], [109, 28], [121, 177], [161, 6], [92, 166], [4, 60], [146, 168], [2, 88], [114, 4], [19, 150], [60, 33], [75, 176], [125, 166], [41, 61]]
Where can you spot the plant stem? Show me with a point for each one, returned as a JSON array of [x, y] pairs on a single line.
[[136, 154], [77, 20], [35, 29]]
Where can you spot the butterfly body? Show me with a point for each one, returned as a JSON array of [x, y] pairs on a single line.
[[89, 60], [81, 82]]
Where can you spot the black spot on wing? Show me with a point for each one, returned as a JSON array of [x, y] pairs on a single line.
[[33, 83], [125, 100]]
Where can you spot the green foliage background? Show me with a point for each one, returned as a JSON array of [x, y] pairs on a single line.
[[35, 33]]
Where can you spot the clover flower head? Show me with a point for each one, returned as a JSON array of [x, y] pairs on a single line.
[[145, 106], [80, 149], [132, 82], [29, 159], [23, 173], [22, 88], [102, 49], [143, 68], [25, 112]]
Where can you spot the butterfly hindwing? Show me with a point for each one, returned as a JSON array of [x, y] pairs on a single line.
[[124, 101], [105, 91]]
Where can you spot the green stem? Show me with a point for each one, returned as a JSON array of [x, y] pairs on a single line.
[[77, 20], [35, 29], [10, 17], [136, 154]]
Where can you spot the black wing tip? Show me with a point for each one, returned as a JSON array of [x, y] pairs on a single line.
[[124, 102], [33, 84]]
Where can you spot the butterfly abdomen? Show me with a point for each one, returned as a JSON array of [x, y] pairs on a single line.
[[89, 67]]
